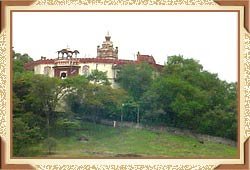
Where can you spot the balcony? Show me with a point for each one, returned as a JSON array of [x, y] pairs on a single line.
[[69, 62]]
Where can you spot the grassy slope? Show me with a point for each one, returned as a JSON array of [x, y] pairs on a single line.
[[109, 141]]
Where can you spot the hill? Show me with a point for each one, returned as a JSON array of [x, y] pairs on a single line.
[[95, 140]]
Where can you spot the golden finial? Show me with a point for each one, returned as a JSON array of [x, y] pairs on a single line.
[[108, 34]]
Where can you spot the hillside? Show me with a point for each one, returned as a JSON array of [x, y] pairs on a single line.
[[95, 140]]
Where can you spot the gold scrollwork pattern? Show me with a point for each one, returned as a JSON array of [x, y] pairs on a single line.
[[125, 167], [3, 121], [247, 83], [3, 82], [125, 2]]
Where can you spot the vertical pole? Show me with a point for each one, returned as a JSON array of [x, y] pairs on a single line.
[[138, 114], [48, 122], [122, 113], [48, 126]]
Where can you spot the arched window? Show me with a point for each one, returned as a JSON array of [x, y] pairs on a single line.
[[85, 70], [63, 75], [60, 55], [47, 70]]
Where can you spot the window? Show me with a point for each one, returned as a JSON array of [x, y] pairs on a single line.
[[85, 70], [47, 70], [63, 75]]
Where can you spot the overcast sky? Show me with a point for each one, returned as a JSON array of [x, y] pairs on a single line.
[[210, 37]]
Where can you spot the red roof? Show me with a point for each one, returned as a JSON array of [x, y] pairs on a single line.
[[140, 58], [31, 65]]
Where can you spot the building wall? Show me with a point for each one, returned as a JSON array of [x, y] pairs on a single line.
[[68, 70], [104, 67], [40, 69], [107, 56], [99, 66]]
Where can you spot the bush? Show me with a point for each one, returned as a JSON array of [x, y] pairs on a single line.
[[66, 127], [51, 144], [24, 136]]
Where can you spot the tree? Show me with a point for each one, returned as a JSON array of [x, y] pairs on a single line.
[[152, 109], [98, 77], [19, 60], [25, 133], [66, 127], [28, 123], [47, 94], [50, 143], [21, 88], [136, 79], [184, 95], [129, 109], [94, 100]]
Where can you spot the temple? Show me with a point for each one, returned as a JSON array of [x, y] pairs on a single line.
[[107, 50], [68, 64]]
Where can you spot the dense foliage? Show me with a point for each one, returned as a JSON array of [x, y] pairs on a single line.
[[46, 107], [181, 95]]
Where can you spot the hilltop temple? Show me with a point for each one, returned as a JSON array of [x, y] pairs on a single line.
[[68, 64]]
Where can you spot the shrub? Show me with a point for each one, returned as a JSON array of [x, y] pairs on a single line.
[[50, 143]]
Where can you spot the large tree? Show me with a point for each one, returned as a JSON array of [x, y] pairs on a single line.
[[135, 78], [96, 101], [18, 61], [98, 77], [184, 95]]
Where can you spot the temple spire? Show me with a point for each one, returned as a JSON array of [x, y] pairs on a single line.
[[107, 50], [107, 37]]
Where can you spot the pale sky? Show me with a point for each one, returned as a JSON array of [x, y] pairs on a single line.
[[210, 37]]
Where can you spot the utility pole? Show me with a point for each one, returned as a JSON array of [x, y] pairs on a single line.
[[122, 113], [138, 115]]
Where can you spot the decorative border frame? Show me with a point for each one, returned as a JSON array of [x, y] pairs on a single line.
[[175, 3]]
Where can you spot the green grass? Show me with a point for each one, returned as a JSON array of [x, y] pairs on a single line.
[[105, 141]]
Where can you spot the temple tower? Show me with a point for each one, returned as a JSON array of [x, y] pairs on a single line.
[[107, 50]]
